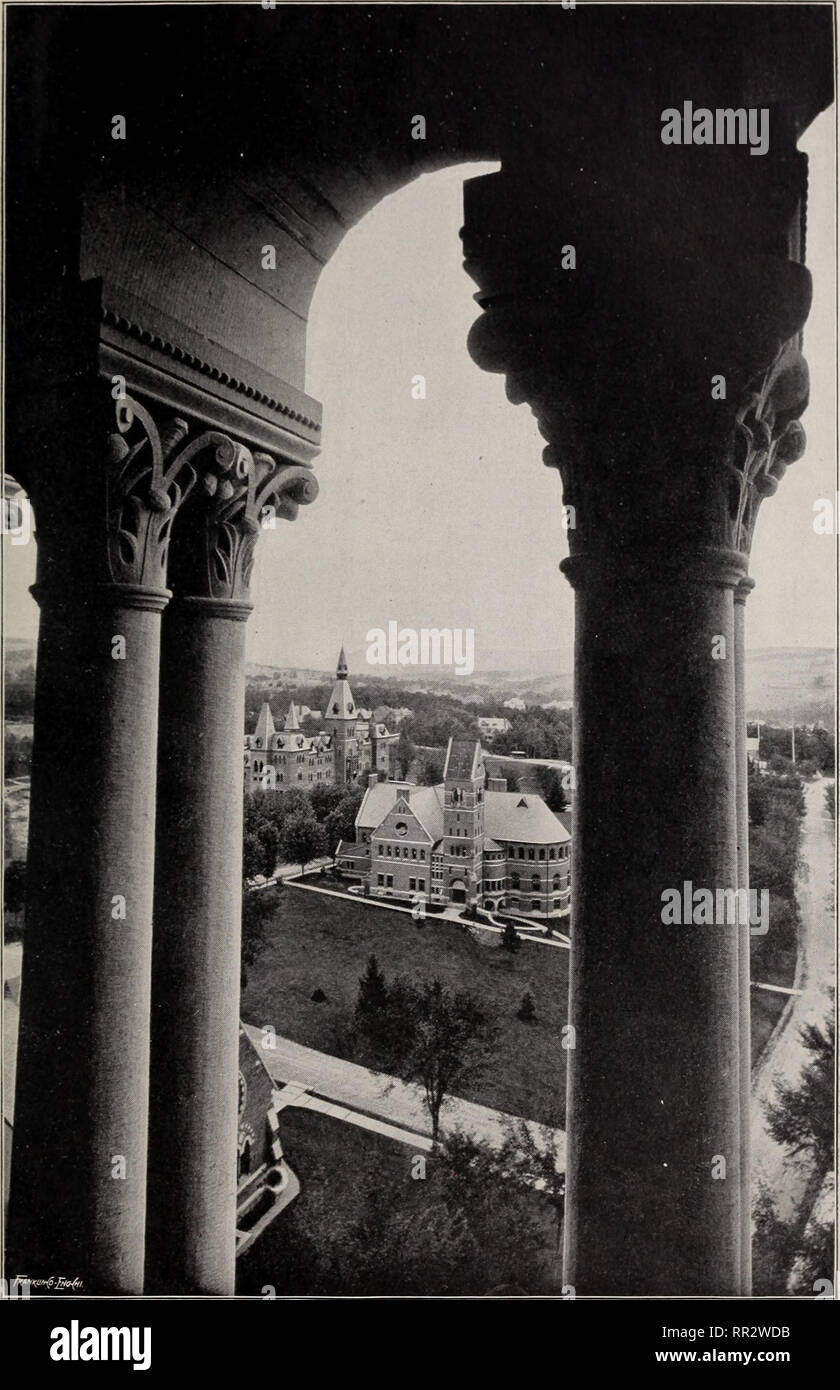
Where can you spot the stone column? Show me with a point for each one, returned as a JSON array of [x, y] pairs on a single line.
[[198, 884], [743, 828], [654, 370], [105, 489]]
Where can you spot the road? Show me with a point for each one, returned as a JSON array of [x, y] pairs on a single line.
[[784, 1058], [395, 1102]]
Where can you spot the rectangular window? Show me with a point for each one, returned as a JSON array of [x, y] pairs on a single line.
[[411, 883], [421, 884], [379, 879], [389, 880]]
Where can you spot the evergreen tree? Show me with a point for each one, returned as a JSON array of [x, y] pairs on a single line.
[[527, 1012], [373, 996]]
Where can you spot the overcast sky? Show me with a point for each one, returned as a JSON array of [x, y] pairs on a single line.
[[439, 512]]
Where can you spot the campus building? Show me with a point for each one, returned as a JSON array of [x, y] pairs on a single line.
[[351, 745], [465, 841]]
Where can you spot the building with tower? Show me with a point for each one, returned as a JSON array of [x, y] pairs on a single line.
[[351, 746], [468, 840]]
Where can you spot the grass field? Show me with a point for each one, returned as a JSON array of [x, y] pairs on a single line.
[[318, 942]]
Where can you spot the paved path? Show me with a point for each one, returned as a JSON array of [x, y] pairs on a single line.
[[357, 1088], [784, 1058]]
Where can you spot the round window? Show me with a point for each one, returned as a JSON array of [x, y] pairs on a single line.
[[401, 827]]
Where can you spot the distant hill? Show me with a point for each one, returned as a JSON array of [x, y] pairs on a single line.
[[783, 683], [791, 683]]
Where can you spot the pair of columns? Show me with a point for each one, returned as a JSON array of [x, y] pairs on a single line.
[[667, 381], [124, 1152]]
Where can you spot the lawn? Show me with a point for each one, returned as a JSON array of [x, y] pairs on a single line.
[[321, 943]]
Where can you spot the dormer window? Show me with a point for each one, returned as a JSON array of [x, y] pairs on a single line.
[[335, 708], [350, 708]]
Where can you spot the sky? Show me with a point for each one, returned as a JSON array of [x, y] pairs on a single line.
[[438, 512]]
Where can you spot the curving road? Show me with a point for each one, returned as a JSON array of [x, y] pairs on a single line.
[[784, 1058]]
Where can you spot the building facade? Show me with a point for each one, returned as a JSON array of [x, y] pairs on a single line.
[[352, 745], [465, 841]]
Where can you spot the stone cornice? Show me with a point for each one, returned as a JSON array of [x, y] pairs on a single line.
[[148, 333]]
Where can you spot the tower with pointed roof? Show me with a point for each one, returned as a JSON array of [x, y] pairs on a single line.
[[342, 721]]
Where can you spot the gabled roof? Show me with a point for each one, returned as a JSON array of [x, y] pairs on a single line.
[[425, 802], [520, 818], [509, 816]]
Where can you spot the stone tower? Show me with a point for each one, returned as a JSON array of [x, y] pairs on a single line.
[[463, 818], [341, 720]]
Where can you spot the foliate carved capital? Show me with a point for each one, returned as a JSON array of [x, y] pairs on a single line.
[[217, 535], [666, 384], [136, 464]]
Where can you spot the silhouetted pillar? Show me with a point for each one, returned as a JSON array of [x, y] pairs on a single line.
[[666, 380], [104, 500], [198, 888]]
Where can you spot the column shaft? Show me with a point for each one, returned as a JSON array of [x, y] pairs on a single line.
[[78, 1182], [743, 828], [654, 1077], [196, 971]]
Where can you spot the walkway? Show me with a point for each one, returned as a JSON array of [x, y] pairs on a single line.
[[785, 1055], [397, 1103]]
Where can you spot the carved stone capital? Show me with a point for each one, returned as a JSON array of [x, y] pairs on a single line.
[[129, 492], [217, 533], [667, 381]]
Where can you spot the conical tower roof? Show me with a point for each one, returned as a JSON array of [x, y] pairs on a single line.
[[341, 703], [265, 725], [291, 725]]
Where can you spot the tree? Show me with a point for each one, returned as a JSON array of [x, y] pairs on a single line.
[[436, 1037], [252, 856], [510, 939], [372, 1000], [257, 908], [324, 799], [802, 1116], [340, 822], [551, 788], [302, 839], [406, 750], [527, 1012], [432, 770], [269, 844]]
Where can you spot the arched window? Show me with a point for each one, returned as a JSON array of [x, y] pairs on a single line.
[[535, 883], [514, 880], [555, 883], [535, 907]]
